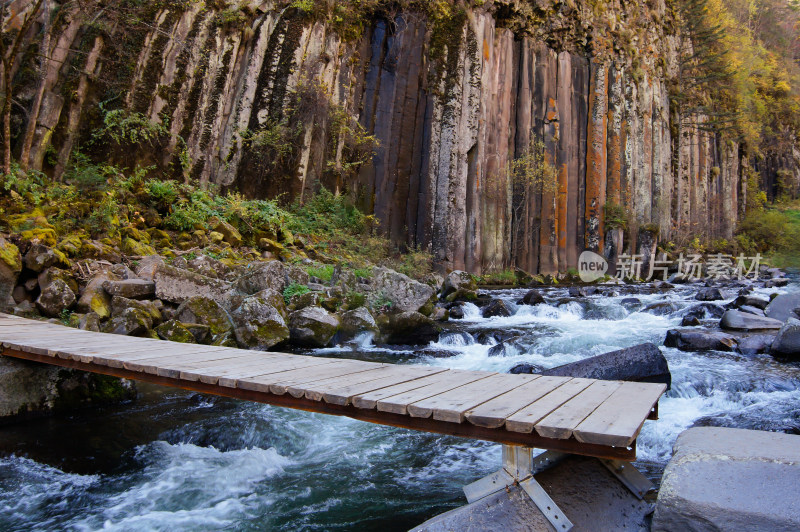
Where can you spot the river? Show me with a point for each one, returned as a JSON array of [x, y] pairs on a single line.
[[175, 460]]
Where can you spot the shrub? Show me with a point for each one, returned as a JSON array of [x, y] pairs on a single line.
[[294, 289], [324, 272]]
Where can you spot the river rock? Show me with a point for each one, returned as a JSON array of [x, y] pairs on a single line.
[[531, 297], [661, 308], [730, 479], [787, 343], [642, 363], [497, 307], [750, 301], [55, 298], [204, 310], [176, 286], [259, 276], [406, 294], [312, 327], [456, 312], [751, 310], [703, 311], [458, 280], [130, 288], [709, 294], [699, 340], [355, 322], [736, 320], [174, 331], [258, 324], [755, 344], [775, 283], [690, 321], [506, 348], [408, 328], [525, 369], [782, 307]]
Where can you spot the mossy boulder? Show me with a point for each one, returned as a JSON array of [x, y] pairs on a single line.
[[206, 311], [260, 276], [406, 294], [94, 298], [229, 233], [130, 322], [40, 257], [462, 294], [41, 235], [258, 324], [355, 322], [55, 298], [267, 244], [89, 322], [210, 267], [10, 268], [313, 327], [174, 331], [71, 245], [130, 246], [458, 280], [301, 301], [120, 304], [51, 274]]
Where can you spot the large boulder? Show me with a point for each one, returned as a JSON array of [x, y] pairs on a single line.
[[151, 308], [258, 324], [229, 233], [10, 268], [782, 307], [408, 328], [177, 285], [755, 344], [132, 321], [210, 267], [355, 322], [532, 297], [312, 327], [458, 280], [204, 310], [94, 297], [787, 343], [750, 301], [730, 479], [146, 267], [39, 257], [406, 294], [260, 276], [736, 320], [709, 294], [699, 340], [643, 363], [130, 288], [55, 298], [175, 331]]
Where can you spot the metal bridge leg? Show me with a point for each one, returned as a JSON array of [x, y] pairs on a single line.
[[634, 480], [519, 466]]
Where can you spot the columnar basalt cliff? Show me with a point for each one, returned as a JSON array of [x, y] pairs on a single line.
[[451, 102]]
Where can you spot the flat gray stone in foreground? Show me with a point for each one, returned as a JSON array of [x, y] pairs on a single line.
[[583, 488], [723, 479]]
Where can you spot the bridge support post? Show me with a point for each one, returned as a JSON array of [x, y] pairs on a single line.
[[520, 464]]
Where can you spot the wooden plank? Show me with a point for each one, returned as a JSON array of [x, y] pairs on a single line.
[[562, 421], [398, 404], [248, 379], [451, 405], [493, 413], [212, 374], [369, 399], [171, 365], [280, 384], [342, 393], [117, 360], [88, 353], [525, 419], [397, 373], [618, 420]]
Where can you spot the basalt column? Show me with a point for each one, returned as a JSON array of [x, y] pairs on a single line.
[[596, 171]]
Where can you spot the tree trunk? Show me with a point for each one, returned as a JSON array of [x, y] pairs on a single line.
[[37, 104]]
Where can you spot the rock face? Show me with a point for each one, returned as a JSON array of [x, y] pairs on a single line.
[[730, 479], [312, 327], [643, 362], [437, 179], [29, 390], [258, 324], [787, 343], [742, 321], [406, 294]]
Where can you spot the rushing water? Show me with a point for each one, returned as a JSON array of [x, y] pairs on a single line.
[[179, 461]]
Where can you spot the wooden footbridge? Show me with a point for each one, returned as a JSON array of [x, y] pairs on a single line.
[[561, 414]]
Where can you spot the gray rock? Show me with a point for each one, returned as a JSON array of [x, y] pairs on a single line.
[[10, 268], [456, 312], [497, 307], [525, 369], [699, 340], [147, 266], [176, 286], [210, 267], [175, 331], [312, 327], [89, 322], [703, 311], [597, 498], [709, 294], [130, 322], [258, 324], [55, 298], [782, 307], [457, 280], [26, 309], [741, 321], [755, 344], [661, 308], [730, 479], [506, 348], [205, 311], [406, 294], [357, 321], [775, 283], [752, 310], [787, 343], [130, 288], [532, 297], [643, 363], [51, 274], [94, 298], [40, 257], [259, 276], [408, 328], [121, 304], [690, 321], [751, 301]]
